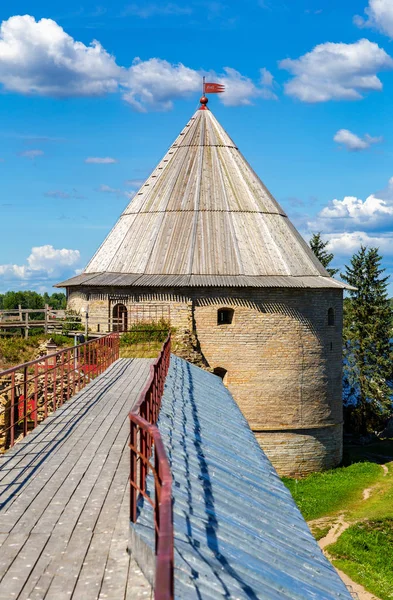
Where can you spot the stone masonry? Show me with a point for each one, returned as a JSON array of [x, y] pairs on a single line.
[[281, 357]]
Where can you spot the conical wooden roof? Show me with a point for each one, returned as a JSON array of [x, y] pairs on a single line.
[[204, 217]]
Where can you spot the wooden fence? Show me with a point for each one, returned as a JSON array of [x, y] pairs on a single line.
[[46, 318]]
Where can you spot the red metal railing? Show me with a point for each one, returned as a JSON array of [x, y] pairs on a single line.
[[144, 435], [31, 391]]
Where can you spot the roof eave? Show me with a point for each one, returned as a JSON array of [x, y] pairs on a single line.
[[127, 280]]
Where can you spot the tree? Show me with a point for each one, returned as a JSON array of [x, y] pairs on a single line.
[[367, 343], [318, 246], [57, 301]]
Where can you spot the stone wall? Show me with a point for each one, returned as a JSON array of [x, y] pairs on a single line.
[[302, 451], [281, 357], [141, 306]]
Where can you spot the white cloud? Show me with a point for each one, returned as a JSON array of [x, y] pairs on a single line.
[[346, 244], [154, 83], [43, 263], [266, 77], [353, 142], [336, 71], [241, 90], [375, 213], [96, 160], [31, 154], [47, 258], [39, 57], [379, 16]]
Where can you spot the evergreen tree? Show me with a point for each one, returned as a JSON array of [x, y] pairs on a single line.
[[367, 343], [318, 246]]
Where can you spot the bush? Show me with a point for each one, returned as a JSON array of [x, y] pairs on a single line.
[[72, 322], [146, 331]]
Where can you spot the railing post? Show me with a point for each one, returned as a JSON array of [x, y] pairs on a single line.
[[25, 391], [39, 378], [46, 318], [143, 449], [35, 409], [61, 378], [54, 399], [133, 471], [46, 388], [12, 408]]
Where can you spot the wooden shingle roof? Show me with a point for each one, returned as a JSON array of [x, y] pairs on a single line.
[[201, 218]]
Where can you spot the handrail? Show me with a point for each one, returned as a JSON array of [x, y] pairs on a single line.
[[32, 390], [144, 434]]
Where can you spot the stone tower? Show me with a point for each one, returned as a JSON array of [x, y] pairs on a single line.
[[204, 239]]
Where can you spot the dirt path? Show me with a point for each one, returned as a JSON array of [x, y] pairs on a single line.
[[334, 533], [356, 590], [337, 528], [367, 492]]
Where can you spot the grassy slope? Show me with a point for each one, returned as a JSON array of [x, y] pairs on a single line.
[[323, 494], [365, 550], [365, 553]]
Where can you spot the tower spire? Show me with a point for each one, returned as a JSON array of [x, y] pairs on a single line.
[[203, 99]]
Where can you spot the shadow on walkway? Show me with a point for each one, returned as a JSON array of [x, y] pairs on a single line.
[[37, 449]]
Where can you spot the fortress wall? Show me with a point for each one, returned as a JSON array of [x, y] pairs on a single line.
[[175, 306], [283, 360], [303, 451], [284, 369]]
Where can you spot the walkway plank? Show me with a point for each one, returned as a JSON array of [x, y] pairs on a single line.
[[64, 498]]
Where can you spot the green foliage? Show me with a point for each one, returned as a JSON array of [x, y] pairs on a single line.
[[61, 340], [146, 331], [57, 301], [367, 344], [16, 350], [325, 258], [32, 300], [365, 552], [321, 494], [72, 322]]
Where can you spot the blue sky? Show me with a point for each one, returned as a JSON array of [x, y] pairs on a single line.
[[92, 94]]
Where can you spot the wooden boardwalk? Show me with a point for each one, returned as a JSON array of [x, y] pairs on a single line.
[[64, 498]]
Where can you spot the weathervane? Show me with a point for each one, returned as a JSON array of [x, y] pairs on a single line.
[[210, 88]]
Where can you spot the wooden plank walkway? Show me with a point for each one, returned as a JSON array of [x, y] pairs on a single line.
[[64, 498]]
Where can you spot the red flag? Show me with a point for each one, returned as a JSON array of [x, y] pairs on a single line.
[[214, 88]]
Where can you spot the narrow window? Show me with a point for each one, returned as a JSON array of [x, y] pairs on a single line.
[[224, 316], [330, 317]]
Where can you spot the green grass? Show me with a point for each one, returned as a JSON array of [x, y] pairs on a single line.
[[144, 339], [141, 350], [322, 494], [365, 553], [146, 331]]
